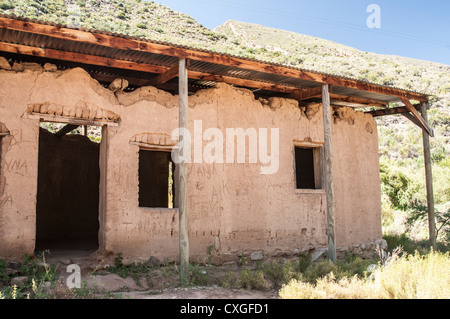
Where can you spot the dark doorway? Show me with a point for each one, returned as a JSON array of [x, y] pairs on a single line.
[[67, 209]]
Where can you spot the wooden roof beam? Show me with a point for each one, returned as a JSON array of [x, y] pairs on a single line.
[[357, 100], [391, 111], [305, 94], [170, 50], [405, 111], [164, 74], [242, 82], [167, 75], [80, 58], [423, 124]]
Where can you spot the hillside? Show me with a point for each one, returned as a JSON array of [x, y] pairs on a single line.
[[400, 140], [312, 53], [150, 20], [131, 17]]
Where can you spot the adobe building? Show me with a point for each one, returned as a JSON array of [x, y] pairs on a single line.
[[123, 193]]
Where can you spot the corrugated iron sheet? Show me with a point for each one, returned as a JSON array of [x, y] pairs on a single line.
[[43, 41]]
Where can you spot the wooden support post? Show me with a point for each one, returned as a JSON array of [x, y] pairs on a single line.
[[183, 174], [328, 172], [103, 164], [428, 178]]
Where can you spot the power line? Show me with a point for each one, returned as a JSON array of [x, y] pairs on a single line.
[[321, 20]]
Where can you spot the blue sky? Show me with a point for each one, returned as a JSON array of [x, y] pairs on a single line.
[[411, 28]]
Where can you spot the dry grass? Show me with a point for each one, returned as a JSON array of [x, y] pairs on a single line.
[[408, 277]]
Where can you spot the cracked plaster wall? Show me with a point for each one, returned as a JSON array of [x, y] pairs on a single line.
[[231, 206]]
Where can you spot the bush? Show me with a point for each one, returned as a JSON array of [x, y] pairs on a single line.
[[252, 279], [40, 274], [279, 274], [326, 288], [6, 6], [141, 25], [407, 277], [135, 271], [415, 277], [198, 276]]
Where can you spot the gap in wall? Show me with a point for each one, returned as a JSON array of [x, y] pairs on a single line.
[[67, 209]]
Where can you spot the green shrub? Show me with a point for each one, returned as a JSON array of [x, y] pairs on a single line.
[[135, 270], [228, 281], [414, 277], [6, 6], [304, 262], [252, 279], [408, 277], [198, 276], [274, 271], [141, 25]]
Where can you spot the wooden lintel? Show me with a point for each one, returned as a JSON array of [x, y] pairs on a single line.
[[69, 120], [199, 55], [422, 123]]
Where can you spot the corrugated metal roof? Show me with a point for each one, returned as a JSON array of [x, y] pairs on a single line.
[[45, 41]]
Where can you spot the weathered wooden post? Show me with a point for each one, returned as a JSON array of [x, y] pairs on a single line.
[[428, 178], [328, 165], [182, 175]]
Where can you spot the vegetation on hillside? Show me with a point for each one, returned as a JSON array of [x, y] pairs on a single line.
[[401, 156], [138, 18]]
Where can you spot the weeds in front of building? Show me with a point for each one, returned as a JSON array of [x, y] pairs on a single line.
[[394, 274]]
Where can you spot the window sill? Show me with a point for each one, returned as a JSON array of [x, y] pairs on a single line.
[[310, 191], [157, 208]]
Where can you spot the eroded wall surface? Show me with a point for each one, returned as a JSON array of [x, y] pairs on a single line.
[[233, 208]]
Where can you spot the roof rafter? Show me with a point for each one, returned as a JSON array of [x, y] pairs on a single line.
[[79, 57], [423, 124], [183, 52], [357, 100], [164, 74]]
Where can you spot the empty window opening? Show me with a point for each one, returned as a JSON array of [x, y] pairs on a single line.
[[156, 179], [307, 168], [67, 208]]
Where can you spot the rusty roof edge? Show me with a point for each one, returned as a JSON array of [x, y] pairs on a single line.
[[181, 46]]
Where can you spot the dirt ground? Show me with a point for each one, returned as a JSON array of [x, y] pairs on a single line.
[[163, 282]]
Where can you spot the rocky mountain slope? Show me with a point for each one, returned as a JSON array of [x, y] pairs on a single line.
[[150, 20]]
